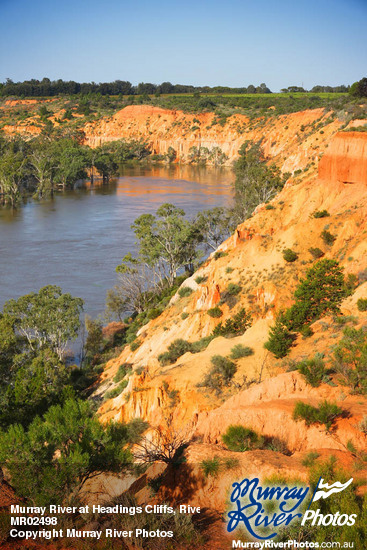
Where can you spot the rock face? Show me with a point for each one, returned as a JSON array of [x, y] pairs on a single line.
[[346, 159]]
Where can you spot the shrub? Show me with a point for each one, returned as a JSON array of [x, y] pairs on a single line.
[[210, 466], [233, 289], [177, 348], [200, 279], [154, 313], [363, 425], [316, 252], [350, 359], [313, 370], [239, 351], [269, 207], [362, 304], [321, 214], [122, 372], [229, 269], [310, 458], [135, 345], [235, 326], [184, 315], [220, 374], [220, 254], [325, 414], [215, 312], [116, 391], [280, 339], [289, 255], [185, 291], [201, 344], [327, 237], [239, 439]]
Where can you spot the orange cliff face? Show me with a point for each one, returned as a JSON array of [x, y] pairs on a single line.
[[294, 141], [267, 281], [346, 159]]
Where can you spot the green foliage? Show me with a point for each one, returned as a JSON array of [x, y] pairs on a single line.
[[210, 467], [280, 339], [256, 182], [233, 289], [310, 458], [313, 370], [213, 226], [111, 394], [238, 351], [220, 254], [327, 237], [185, 291], [321, 214], [350, 359], [135, 345], [221, 373], [215, 312], [363, 424], [325, 414], [94, 342], [200, 279], [201, 344], [51, 461], [234, 326], [239, 439], [122, 371], [316, 253], [289, 255], [154, 313], [359, 89], [362, 304], [184, 315], [177, 348]]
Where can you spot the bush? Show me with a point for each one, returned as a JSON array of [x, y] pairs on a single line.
[[310, 458], [210, 466], [280, 339], [269, 207], [350, 359], [201, 344], [215, 312], [184, 315], [220, 374], [327, 237], [235, 326], [135, 345], [239, 439], [316, 252], [233, 289], [239, 351], [116, 391], [289, 255], [175, 350], [321, 214], [200, 279], [220, 254], [122, 372], [362, 304], [185, 291], [154, 313], [325, 414], [313, 370], [363, 425]]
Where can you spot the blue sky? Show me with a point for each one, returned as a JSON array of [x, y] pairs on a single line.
[[235, 43]]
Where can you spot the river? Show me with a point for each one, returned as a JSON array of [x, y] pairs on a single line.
[[76, 240]]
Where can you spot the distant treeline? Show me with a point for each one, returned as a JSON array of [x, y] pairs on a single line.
[[47, 87]]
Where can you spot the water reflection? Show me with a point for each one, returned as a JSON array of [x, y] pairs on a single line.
[[76, 240]]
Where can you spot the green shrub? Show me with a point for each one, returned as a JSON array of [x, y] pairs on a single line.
[[269, 207], [325, 414], [184, 315], [289, 255], [177, 348], [185, 291], [362, 304], [321, 214], [310, 458], [201, 344], [327, 237], [350, 359], [221, 373], [200, 279], [316, 252], [280, 339], [215, 312], [135, 345], [210, 467], [234, 326], [116, 391], [229, 269], [313, 370], [239, 351], [239, 439], [154, 313], [220, 254], [233, 289], [122, 372]]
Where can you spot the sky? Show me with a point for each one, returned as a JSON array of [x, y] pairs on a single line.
[[216, 42]]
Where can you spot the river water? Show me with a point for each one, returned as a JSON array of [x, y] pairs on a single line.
[[76, 240]]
